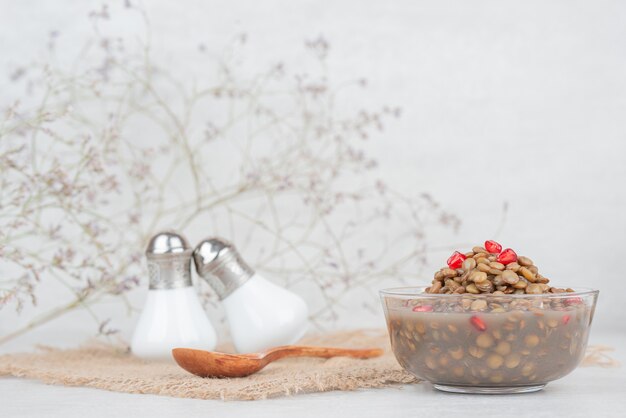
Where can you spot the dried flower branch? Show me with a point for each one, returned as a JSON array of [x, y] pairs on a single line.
[[96, 158]]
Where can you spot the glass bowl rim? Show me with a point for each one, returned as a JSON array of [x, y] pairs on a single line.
[[412, 292]]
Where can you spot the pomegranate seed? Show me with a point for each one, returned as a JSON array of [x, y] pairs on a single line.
[[507, 256], [423, 308], [565, 319], [456, 260], [493, 247], [573, 301], [478, 323]]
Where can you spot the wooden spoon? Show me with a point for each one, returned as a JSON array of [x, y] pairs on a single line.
[[213, 364]]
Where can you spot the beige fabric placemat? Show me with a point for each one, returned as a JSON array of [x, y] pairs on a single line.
[[114, 368]]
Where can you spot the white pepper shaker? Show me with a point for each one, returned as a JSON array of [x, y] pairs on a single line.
[[260, 314], [172, 316]]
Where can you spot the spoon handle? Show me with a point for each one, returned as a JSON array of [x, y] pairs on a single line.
[[324, 352]]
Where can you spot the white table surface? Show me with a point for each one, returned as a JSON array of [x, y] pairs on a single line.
[[587, 392]]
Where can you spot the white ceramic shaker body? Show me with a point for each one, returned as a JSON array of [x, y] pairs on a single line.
[[263, 315], [172, 315], [260, 314]]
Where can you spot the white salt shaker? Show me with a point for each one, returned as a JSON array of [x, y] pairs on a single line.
[[260, 314], [172, 316]]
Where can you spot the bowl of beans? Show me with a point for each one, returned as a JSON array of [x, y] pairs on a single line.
[[489, 333]]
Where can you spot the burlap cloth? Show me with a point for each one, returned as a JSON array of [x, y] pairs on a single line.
[[114, 368]]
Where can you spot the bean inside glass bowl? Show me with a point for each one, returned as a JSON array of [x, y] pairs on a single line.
[[488, 343]]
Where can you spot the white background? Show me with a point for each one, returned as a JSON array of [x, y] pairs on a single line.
[[518, 102]]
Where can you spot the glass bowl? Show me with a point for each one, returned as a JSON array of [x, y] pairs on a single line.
[[488, 343]]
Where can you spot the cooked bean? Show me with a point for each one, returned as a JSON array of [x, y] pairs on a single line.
[[524, 261], [503, 348], [431, 363], [533, 289], [471, 288], [528, 275], [512, 361], [478, 276], [479, 305], [476, 351], [531, 340], [510, 277], [513, 267], [496, 265], [484, 341], [447, 272], [494, 361], [469, 264], [520, 285], [456, 353]]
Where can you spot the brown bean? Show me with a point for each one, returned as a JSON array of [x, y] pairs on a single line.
[[483, 267], [531, 340], [522, 284], [528, 275], [503, 348], [456, 353], [528, 369], [494, 361], [534, 289], [476, 351], [513, 267], [482, 260], [496, 378], [485, 287], [471, 288], [484, 340], [431, 363], [494, 272], [515, 316], [478, 276], [496, 265], [469, 264], [479, 305], [512, 361], [524, 261], [447, 272], [478, 249], [435, 288], [510, 277]]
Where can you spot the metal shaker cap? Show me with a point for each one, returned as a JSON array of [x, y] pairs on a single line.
[[169, 261], [218, 262]]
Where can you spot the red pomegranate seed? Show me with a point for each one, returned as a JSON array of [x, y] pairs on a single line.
[[456, 260], [478, 323], [423, 308], [507, 256], [493, 247], [573, 301], [565, 319]]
